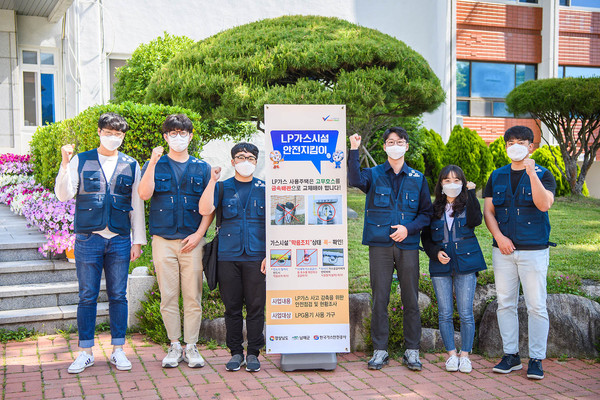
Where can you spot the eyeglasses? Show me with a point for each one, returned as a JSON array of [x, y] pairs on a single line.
[[395, 142], [118, 134], [180, 133], [240, 158]]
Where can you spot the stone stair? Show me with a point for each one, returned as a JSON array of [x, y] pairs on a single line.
[[35, 292]]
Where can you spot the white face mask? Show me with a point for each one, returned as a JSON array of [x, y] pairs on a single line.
[[395, 152], [245, 168], [517, 152], [111, 143], [179, 143], [452, 189]]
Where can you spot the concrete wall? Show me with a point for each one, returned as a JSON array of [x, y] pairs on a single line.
[[8, 68], [593, 179]]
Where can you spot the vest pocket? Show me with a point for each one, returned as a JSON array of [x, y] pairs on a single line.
[[124, 185], [191, 216], [410, 200], [436, 267], [197, 183], [120, 213], [437, 230], [525, 196], [382, 196], [162, 182], [256, 237], [378, 226], [530, 227], [89, 212], [91, 181], [230, 239], [469, 256], [463, 230], [257, 207], [230, 208], [162, 213], [499, 194], [502, 219]]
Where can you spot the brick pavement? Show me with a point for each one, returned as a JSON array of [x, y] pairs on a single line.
[[37, 369]]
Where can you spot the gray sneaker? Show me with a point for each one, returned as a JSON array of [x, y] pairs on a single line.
[[379, 359], [411, 360], [236, 362]]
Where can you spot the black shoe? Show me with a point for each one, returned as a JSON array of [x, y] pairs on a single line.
[[510, 362], [236, 362], [252, 363], [379, 359], [535, 371]]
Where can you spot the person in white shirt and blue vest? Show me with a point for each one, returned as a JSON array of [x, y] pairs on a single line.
[[109, 216], [517, 199], [241, 253], [454, 260], [174, 183], [397, 207]]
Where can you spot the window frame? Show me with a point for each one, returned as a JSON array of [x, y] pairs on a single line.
[[109, 73], [38, 69]]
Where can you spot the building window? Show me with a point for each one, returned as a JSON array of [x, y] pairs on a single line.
[[580, 3], [39, 74], [113, 64], [481, 87], [578, 72]]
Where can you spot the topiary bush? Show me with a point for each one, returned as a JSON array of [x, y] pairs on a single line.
[[133, 78], [498, 150], [145, 134], [547, 157], [467, 149], [434, 149]]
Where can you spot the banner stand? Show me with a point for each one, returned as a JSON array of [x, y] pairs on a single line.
[[294, 362]]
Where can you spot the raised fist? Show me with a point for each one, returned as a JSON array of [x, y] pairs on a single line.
[[355, 141], [66, 152], [157, 152], [215, 173]]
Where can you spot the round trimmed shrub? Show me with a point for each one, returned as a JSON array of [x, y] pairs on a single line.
[[547, 157], [467, 149], [498, 150], [434, 149]]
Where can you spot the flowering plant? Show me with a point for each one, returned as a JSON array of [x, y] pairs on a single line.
[[58, 242], [15, 164]]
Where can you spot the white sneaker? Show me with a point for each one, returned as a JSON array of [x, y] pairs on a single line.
[[452, 364], [82, 361], [119, 360], [465, 365], [193, 357], [173, 357]]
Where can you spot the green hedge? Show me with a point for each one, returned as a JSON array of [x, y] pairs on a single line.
[[498, 150], [545, 156], [145, 121], [467, 149]]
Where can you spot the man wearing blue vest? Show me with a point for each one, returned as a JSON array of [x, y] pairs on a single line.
[[107, 211], [397, 207], [241, 253], [174, 183], [517, 199]]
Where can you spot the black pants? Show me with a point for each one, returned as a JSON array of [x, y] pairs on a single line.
[[241, 282], [382, 262]]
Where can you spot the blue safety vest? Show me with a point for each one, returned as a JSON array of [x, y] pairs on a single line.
[[518, 217], [100, 204], [459, 243], [243, 225], [382, 209], [174, 205]]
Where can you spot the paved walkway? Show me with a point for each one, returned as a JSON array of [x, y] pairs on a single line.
[[37, 369]]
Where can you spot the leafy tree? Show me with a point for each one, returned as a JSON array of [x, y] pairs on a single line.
[[570, 109], [133, 78], [550, 157], [300, 60], [498, 150], [467, 149]]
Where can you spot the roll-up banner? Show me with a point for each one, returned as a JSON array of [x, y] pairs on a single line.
[[307, 237]]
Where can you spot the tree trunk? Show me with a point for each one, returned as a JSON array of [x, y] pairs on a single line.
[[571, 173]]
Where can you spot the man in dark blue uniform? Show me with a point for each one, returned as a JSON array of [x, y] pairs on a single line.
[[241, 253], [517, 199], [397, 207]]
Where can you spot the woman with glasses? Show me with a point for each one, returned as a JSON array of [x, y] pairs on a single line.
[[241, 253], [174, 183]]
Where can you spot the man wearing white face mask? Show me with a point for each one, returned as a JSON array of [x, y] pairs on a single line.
[[108, 210], [397, 207], [517, 199], [240, 200], [174, 183]]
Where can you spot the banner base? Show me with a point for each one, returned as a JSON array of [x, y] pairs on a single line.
[[293, 362]]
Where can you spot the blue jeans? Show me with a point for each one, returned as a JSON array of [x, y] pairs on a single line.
[[464, 287], [92, 254]]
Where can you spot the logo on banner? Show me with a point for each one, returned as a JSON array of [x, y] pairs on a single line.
[[311, 145]]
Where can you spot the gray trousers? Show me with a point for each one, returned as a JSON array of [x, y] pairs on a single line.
[[382, 262]]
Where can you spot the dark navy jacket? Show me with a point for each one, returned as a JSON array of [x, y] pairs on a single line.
[[518, 217], [174, 205], [100, 204], [405, 201], [242, 232]]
